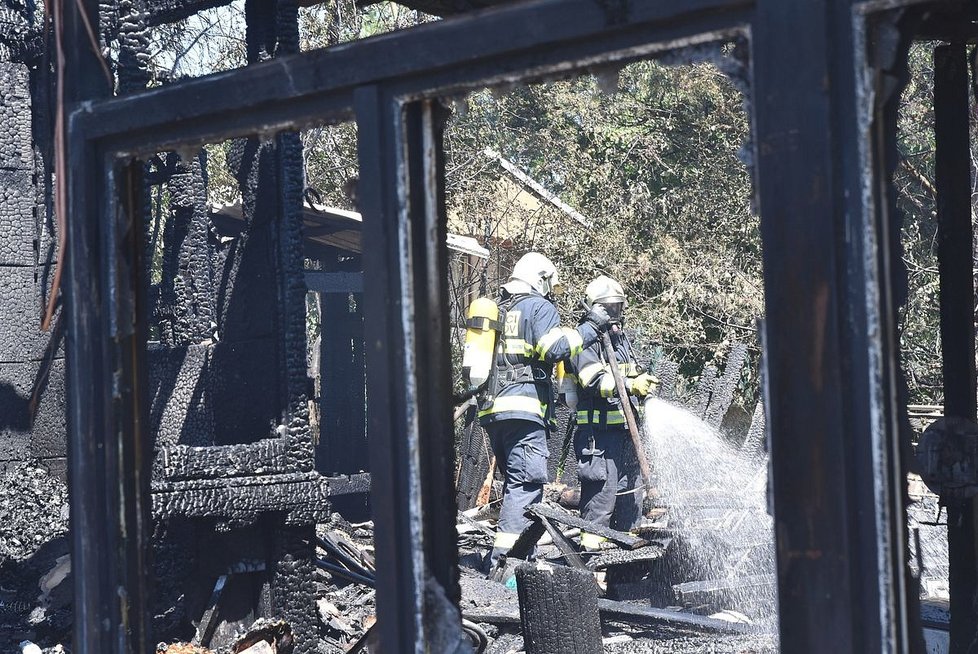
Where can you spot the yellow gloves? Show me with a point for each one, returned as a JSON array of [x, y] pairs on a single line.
[[642, 385]]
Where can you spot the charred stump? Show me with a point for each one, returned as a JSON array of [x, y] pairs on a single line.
[[558, 610]]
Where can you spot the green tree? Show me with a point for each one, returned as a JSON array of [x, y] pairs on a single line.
[[656, 167]]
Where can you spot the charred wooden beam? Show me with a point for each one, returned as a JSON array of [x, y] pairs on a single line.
[[564, 544], [636, 614], [447, 56], [631, 613], [438, 7], [556, 515], [161, 12], [522, 548], [616, 558], [108, 467], [954, 239], [832, 292], [211, 616], [334, 282], [301, 498], [411, 438], [712, 591]]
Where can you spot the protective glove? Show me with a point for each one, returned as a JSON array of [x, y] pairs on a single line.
[[598, 317], [642, 385]]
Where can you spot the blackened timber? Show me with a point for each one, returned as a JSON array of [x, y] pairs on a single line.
[[292, 92], [160, 12], [411, 437], [526, 541], [627, 612], [348, 484], [637, 614], [833, 443], [954, 252], [423, 136], [558, 609], [556, 515], [131, 474], [392, 430], [109, 509], [266, 456], [300, 499], [804, 415], [334, 282], [438, 7], [717, 591], [564, 544], [211, 615], [877, 292], [615, 558], [953, 181]]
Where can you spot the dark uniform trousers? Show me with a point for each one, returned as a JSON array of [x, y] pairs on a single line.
[[520, 447], [607, 466]]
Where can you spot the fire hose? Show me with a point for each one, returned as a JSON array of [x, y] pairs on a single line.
[[626, 409]]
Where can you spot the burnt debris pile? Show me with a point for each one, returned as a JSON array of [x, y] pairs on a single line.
[[235, 492], [698, 575], [35, 594]]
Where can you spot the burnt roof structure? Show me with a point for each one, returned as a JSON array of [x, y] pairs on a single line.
[[445, 7], [825, 82]]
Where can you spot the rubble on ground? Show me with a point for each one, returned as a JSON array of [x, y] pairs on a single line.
[[33, 510], [636, 570], [35, 592]]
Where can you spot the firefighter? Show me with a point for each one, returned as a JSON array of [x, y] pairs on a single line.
[[612, 491], [517, 409]]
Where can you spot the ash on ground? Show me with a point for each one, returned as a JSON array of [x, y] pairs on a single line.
[[34, 502], [35, 582]]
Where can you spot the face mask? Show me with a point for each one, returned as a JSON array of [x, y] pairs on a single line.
[[615, 310]]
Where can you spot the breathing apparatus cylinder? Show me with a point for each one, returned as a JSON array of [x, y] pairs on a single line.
[[482, 327], [566, 387]]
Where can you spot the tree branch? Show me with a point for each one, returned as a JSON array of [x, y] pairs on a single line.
[[920, 177]]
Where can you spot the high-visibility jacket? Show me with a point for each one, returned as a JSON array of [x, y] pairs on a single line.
[[597, 403], [531, 343]]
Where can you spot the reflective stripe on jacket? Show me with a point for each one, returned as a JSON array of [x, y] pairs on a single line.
[[532, 337], [598, 403]]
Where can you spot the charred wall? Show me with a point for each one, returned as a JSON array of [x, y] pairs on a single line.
[[33, 494], [235, 493], [31, 359]]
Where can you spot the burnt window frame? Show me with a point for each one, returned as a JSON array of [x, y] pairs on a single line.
[[826, 295]]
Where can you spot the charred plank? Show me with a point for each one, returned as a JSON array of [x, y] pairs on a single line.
[[556, 515]]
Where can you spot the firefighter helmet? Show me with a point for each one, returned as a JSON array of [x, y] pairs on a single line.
[[534, 271], [607, 292]]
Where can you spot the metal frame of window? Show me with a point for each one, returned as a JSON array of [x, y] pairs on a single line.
[[835, 454]]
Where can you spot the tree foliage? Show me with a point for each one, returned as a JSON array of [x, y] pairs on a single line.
[[656, 156], [654, 165], [914, 183]]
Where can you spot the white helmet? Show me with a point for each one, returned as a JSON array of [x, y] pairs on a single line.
[[534, 271], [606, 291]]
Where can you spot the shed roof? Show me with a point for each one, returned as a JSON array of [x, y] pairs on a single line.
[[341, 229]]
